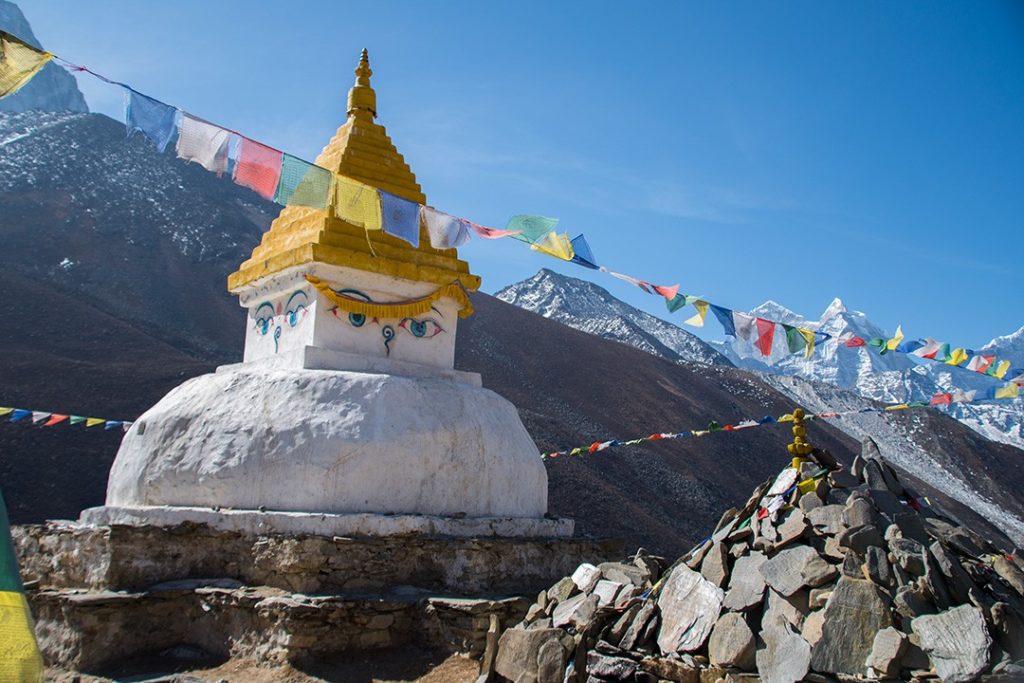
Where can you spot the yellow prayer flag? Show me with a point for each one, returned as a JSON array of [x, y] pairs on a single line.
[[21, 660], [19, 62], [809, 336], [898, 406], [1011, 390], [555, 245], [957, 356], [1001, 369], [6, 411], [702, 311], [93, 421], [895, 341], [357, 203]]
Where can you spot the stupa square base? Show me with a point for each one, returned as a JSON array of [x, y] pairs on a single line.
[[331, 524]]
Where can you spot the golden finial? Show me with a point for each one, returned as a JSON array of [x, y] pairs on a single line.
[[362, 100]]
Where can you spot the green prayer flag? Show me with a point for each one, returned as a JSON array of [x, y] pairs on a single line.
[[531, 228], [303, 184], [675, 303], [794, 340]]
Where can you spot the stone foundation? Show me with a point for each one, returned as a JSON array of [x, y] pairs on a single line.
[[103, 593]]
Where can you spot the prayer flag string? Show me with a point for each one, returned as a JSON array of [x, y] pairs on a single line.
[[44, 418]]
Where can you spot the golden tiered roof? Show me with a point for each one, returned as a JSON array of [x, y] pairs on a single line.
[[361, 149]]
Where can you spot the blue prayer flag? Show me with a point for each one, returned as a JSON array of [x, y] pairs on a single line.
[[724, 316], [530, 228], [20, 415], [582, 254], [156, 120], [400, 217]]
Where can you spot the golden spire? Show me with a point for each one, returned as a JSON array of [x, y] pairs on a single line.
[[362, 100]]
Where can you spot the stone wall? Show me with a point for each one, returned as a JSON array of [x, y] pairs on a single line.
[[67, 555]]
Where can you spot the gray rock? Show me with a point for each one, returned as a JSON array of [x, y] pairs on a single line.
[[795, 568], [853, 565], [936, 583], [791, 528], [696, 556], [888, 504], [859, 513], [785, 657], [886, 651], [809, 501], [1008, 629], [689, 606], [836, 497], [519, 653], [914, 657], [1010, 573], [827, 519], [877, 566], [957, 642], [792, 609], [857, 469], [621, 625], [854, 613], [609, 667], [551, 659], [563, 589], [715, 567], [811, 630], [621, 572], [957, 580], [911, 526], [913, 600], [577, 611], [746, 585], [586, 577], [843, 480], [635, 634], [861, 539], [909, 554], [677, 670], [832, 550], [732, 643], [818, 597], [607, 592]]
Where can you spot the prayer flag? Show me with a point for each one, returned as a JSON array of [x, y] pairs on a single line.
[[203, 143], [957, 356], [675, 303], [55, 419], [895, 341], [980, 363], [910, 346], [854, 342], [400, 217], [555, 245], [744, 325], [1011, 390], [258, 168], [19, 653], [631, 280], [152, 118], [582, 254], [490, 233], [765, 335], [303, 184], [38, 416], [941, 399], [942, 354], [810, 338], [878, 343], [531, 228], [794, 340], [93, 421], [724, 316], [19, 415], [702, 311], [6, 411], [357, 203], [112, 424], [928, 350], [445, 231], [667, 292], [1000, 369], [76, 419], [19, 62]]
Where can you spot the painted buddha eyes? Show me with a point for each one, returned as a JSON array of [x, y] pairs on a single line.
[[357, 319], [421, 328]]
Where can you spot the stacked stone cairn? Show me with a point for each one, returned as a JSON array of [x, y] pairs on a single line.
[[825, 574]]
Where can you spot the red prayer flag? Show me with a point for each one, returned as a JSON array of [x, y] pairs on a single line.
[[490, 233], [54, 419], [765, 334], [941, 399], [258, 168], [667, 292], [854, 342]]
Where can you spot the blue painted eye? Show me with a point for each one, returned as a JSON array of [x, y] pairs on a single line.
[[418, 328], [263, 325], [357, 319], [422, 329]]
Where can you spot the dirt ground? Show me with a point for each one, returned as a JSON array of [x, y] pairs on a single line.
[[405, 665]]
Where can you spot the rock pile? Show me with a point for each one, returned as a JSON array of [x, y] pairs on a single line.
[[824, 574]]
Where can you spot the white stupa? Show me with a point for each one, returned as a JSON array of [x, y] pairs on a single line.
[[347, 415]]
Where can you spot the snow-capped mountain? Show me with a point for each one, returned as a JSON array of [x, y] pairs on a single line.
[[53, 88], [890, 378], [586, 307]]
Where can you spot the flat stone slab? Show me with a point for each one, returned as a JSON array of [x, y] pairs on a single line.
[[689, 606], [957, 642], [329, 524]]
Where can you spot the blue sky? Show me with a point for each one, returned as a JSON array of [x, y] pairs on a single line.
[[791, 151]]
